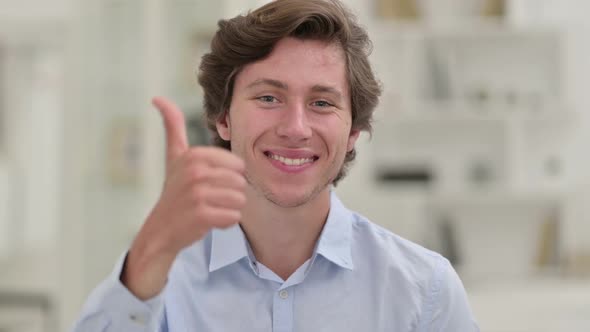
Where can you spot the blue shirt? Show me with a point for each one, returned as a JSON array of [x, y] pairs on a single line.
[[361, 277]]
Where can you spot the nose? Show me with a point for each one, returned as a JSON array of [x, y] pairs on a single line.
[[294, 123]]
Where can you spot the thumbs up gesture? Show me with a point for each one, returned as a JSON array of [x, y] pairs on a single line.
[[204, 189]]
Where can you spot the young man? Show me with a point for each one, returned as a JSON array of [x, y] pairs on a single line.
[[247, 236]]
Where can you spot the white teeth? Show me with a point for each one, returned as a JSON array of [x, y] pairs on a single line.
[[291, 162]]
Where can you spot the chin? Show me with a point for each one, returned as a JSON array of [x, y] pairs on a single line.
[[290, 201], [292, 197]]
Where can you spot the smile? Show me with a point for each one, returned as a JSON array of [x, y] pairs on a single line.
[[291, 161]]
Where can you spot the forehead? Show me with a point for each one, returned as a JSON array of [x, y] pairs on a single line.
[[300, 64]]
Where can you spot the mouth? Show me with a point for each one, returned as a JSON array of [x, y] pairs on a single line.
[[294, 159]]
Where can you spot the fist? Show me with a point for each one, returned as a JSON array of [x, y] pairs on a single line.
[[204, 187]]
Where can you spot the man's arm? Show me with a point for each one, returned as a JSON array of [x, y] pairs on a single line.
[[112, 307], [204, 189]]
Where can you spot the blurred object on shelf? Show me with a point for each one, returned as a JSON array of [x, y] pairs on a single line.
[[495, 8], [124, 152], [197, 43], [26, 311], [397, 9], [197, 131], [497, 233], [578, 265], [449, 12], [548, 252], [437, 9], [480, 173], [418, 174], [553, 166], [449, 246]]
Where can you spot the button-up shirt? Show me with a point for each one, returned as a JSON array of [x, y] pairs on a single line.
[[361, 277]]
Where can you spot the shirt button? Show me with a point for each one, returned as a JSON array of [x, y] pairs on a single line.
[[284, 294], [139, 319]]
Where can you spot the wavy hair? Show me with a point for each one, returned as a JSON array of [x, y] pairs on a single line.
[[248, 38]]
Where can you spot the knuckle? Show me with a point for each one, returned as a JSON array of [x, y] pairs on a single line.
[[237, 216], [241, 164], [230, 218], [241, 199], [198, 194], [242, 183], [236, 181], [202, 216], [197, 173]]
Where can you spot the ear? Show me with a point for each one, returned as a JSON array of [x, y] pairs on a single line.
[[224, 127], [354, 135]]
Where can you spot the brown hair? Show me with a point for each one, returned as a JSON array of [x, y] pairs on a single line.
[[248, 38]]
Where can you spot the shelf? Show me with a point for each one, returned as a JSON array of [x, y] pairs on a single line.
[[450, 114], [468, 27], [477, 200]]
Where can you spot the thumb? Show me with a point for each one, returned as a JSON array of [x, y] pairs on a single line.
[[176, 139]]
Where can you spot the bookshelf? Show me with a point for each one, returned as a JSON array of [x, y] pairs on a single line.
[[479, 105]]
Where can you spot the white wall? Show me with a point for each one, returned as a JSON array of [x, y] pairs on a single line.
[[33, 120], [35, 9]]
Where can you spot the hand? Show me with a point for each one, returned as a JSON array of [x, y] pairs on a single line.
[[204, 189]]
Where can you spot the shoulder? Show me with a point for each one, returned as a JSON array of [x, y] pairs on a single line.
[[391, 248], [424, 276], [416, 271]]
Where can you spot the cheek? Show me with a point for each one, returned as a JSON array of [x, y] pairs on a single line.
[[336, 138], [251, 128]]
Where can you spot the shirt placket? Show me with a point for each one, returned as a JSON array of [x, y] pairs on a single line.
[[282, 306]]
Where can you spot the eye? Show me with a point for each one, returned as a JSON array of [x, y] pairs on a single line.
[[322, 104], [267, 99]]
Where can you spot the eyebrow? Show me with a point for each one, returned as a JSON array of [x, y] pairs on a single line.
[[267, 81], [327, 89]]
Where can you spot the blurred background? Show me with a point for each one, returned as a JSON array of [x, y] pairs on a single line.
[[480, 148]]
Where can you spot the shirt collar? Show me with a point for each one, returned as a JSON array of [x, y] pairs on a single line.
[[227, 247], [335, 244]]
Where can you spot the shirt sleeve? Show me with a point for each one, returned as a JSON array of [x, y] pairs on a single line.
[[112, 307], [447, 309]]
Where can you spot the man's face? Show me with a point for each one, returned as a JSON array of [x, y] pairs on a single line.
[[290, 120]]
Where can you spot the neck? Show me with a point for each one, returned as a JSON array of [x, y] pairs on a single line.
[[283, 238]]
